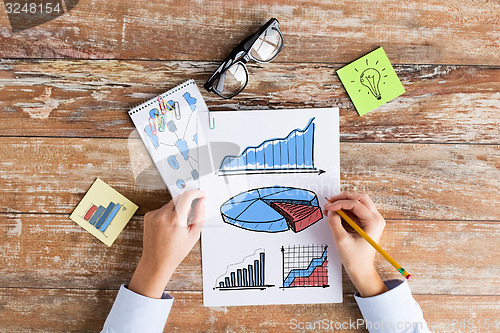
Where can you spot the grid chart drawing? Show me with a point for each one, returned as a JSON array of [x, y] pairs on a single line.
[[247, 274], [305, 266], [292, 154], [101, 217]]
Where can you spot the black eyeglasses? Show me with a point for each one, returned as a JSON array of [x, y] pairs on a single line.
[[232, 75]]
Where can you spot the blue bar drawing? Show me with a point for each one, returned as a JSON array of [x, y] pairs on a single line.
[[233, 277], [96, 215], [277, 154], [256, 272], [234, 163], [228, 284], [110, 217], [250, 275], [105, 215], [292, 151], [262, 269], [239, 277], [308, 148], [259, 158], [245, 279], [299, 144], [221, 284], [251, 159], [284, 154], [268, 155]]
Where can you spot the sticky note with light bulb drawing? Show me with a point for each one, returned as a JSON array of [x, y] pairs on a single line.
[[370, 81]]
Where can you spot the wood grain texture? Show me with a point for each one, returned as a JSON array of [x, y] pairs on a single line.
[[86, 310], [417, 181], [430, 158], [443, 104], [51, 251], [424, 31]]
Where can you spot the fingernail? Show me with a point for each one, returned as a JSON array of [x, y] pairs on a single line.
[[330, 213]]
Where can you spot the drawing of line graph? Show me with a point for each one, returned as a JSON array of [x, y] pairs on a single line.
[[291, 154], [305, 266]]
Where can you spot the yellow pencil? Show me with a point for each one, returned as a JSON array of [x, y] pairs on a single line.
[[372, 243]]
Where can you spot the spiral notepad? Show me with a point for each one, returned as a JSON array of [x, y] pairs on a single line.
[[168, 126]]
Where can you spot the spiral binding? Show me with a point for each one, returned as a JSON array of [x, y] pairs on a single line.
[[153, 100]]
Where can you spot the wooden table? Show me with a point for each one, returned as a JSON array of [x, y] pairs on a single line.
[[430, 158]]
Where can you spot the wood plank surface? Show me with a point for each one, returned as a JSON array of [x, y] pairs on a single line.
[[425, 31], [85, 311], [51, 175], [430, 158], [443, 104], [51, 251]]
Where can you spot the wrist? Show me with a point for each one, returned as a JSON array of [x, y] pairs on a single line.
[[148, 280], [161, 268], [367, 282]]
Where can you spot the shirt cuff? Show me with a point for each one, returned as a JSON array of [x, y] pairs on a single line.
[[393, 311], [132, 312]]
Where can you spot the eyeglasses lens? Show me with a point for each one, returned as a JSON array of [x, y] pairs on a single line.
[[232, 81], [267, 46]]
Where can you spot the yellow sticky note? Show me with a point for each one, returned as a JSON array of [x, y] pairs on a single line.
[[103, 212], [370, 81]]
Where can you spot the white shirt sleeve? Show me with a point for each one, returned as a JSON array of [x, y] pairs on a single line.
[[393, 311], [132, 312]]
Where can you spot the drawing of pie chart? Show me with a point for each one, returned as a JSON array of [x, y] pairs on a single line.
[[272, 209]]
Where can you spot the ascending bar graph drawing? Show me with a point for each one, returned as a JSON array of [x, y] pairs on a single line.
[[103, 212], [246, 274], [291, 154], [100, 216]]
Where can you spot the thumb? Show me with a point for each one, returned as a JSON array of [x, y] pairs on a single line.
[[336, 227], [198, 217]]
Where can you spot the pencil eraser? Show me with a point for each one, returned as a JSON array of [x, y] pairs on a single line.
[[408, 277]]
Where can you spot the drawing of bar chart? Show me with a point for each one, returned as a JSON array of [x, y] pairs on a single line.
[[101, 217], [291, 154], [247, 274], [305, 266]]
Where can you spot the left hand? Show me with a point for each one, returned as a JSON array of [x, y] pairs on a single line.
[[169, 235]]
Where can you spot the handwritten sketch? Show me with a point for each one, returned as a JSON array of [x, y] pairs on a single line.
[[103, 212], [270, 206], [272, 209], [305, 266], [247, 274], [291, 154], [101, 217], [164, 126], [371, 77]]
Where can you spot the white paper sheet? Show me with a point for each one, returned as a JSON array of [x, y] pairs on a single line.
[[286, 162], [168, 126]]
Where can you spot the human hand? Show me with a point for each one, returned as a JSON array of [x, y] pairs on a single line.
[[169, 235], [356, 254]]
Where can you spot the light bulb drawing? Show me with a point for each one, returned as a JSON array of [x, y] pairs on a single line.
[[370, 81], [370, 78]]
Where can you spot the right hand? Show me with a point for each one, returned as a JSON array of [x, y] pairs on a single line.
[[356, 254]]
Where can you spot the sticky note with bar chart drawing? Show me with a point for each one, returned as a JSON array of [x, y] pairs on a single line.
[[103, 212]]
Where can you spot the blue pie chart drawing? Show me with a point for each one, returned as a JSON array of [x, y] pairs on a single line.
[[272, 209]]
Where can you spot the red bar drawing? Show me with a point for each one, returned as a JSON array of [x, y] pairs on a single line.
[[90, 212]]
